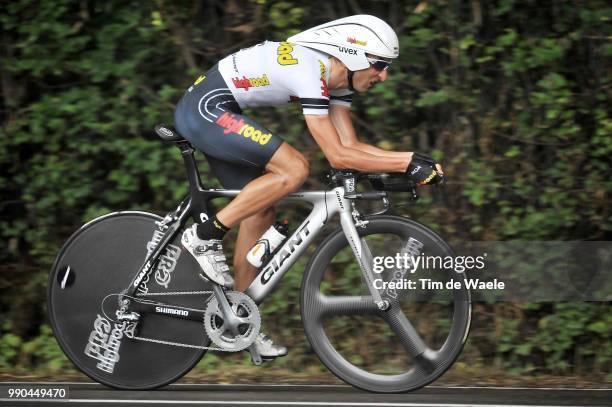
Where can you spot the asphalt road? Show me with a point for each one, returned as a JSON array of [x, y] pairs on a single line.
[[90, 394]]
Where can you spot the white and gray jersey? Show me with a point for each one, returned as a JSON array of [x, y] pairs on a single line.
[[276, 73]]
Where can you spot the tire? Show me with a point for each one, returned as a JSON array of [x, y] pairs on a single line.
[[100, 259], [344, 333]]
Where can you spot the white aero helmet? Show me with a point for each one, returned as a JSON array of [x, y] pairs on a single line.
[[349, 39]]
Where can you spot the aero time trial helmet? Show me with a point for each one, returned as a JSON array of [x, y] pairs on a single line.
[[354, 40]]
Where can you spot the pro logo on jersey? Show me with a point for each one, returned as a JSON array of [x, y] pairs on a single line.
[[284, 51], [247, 83], [231, 125]]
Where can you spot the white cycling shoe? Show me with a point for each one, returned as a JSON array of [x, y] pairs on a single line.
[[266, 347], [209, 255]]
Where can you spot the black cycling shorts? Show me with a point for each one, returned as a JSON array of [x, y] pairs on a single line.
[[237, 147]]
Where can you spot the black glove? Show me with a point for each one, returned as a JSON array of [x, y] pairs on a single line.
[[422, 170]]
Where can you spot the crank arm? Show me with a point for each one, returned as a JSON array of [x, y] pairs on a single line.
[[229, 317]]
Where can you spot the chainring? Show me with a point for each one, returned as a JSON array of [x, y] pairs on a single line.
[[245, 309]]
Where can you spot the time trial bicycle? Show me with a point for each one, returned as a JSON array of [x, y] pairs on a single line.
[[129, 310]]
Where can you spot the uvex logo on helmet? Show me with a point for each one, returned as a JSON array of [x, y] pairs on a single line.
[[348, 50]]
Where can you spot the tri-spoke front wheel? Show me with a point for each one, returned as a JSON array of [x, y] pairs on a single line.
[[404, 347]]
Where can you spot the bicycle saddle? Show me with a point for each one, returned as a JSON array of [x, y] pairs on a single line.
[[168, 133]]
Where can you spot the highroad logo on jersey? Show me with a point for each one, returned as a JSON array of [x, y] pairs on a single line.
[[231, 125], [247, 83]]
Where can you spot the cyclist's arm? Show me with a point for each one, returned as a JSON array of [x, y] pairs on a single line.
[[341, 156], [341, 118]]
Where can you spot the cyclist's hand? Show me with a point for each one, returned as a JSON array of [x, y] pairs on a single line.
[[423, 170]]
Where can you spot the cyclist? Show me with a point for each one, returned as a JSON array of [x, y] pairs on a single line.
[[319, 68]]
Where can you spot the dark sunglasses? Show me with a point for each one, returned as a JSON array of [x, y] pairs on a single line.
[[380, 65]]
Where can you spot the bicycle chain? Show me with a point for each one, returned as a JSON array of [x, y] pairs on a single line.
[[174, 293], [179, 344]]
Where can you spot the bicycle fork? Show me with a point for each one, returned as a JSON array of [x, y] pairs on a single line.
[[348, 221]]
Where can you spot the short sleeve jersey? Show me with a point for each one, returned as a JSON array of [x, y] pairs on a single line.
[[276, 73]]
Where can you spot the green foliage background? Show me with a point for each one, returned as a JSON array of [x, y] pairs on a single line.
[[513, 97]]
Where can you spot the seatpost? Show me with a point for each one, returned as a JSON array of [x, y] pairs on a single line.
[[190, 164], [198, 202]]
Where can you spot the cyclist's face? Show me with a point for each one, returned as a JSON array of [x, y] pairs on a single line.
[[366, 78]]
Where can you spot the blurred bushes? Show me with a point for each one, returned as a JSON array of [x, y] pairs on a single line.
[[513, 97]]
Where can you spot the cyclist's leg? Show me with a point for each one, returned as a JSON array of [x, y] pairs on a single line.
[[285, 172], [264, 173], [250, 230], [233, 176]]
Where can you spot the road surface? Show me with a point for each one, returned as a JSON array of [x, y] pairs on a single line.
[[185, 395]]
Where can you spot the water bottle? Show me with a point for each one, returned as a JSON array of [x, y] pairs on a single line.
[[267, 243]]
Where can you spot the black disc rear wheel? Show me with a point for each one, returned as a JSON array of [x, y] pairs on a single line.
[[99, 260]]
